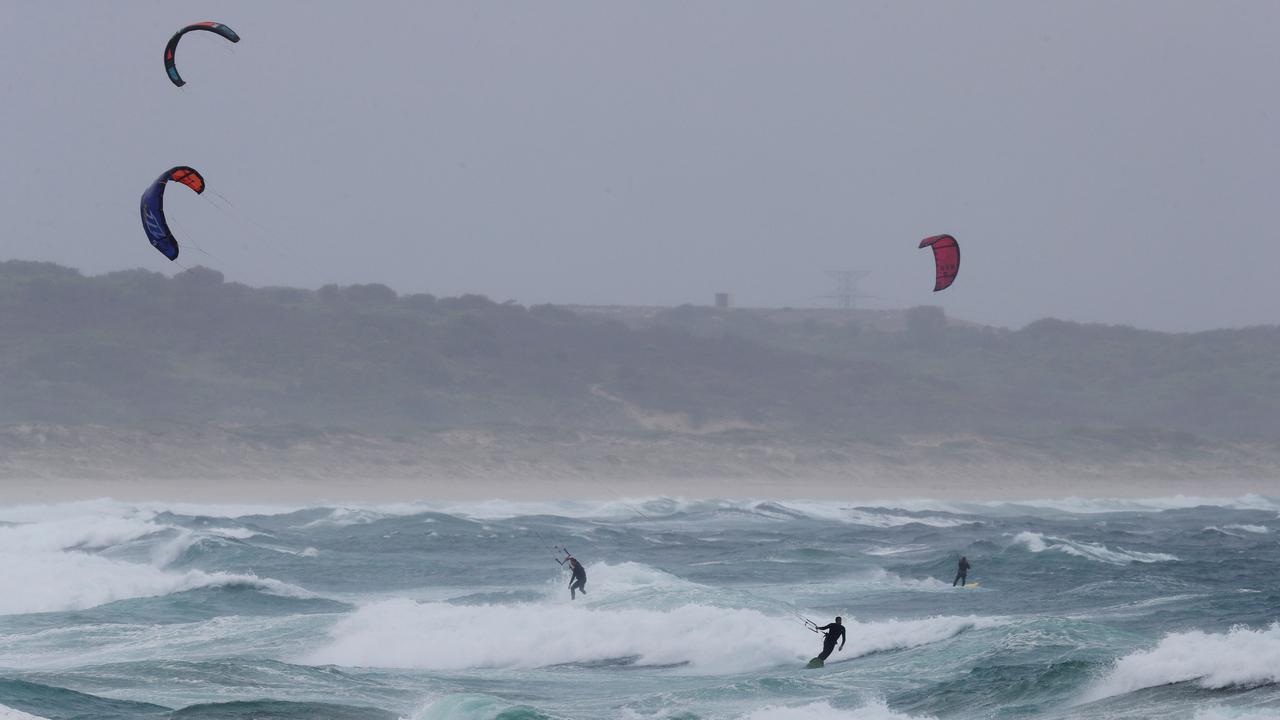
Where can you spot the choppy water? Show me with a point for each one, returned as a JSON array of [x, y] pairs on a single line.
[[1085, 609]]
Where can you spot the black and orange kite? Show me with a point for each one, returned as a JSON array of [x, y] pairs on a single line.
[[172, 46]]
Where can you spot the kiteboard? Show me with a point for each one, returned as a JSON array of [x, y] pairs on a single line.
[[814, 663], [970, 585]]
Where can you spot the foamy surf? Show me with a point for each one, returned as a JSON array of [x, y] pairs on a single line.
[[875, 710], [8, 713], [1241, 657], [442, 636], [695, 608], [1038, 543]]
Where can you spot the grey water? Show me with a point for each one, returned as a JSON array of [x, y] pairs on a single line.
[[694, 609]]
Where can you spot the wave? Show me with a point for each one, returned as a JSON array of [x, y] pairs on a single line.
[[347, 516], [1072, 505], [106, 507], [8, 713], [875, 710], [59, 702], [877, 513], [616, 581], [57, 582], [1229, 713], [279, 710], [636, 585], [475, 707], [77, 532], [187, 540], [883, 512], [1038, 543], [895, 550], [72, 561], [1240, 657], [639, 510], [440, 636], [234, 533], [879, 580], [1239, 532], [1257, 529], [650, 508]]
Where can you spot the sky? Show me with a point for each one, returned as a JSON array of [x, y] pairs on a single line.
[[1112, 162]]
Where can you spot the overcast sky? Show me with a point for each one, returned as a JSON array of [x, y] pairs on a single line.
[[1098, 161]]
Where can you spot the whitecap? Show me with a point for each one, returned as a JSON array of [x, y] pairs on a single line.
[[1038, 543], [1240, 657]]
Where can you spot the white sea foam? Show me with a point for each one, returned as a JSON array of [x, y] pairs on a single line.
[[463, 707], [166, 553], [106, 507], [1230, 713], [1038, 543], [1239, 657], [53, 564], [441, 636], [894, 550], [1259, 529], [871, 517], [613, 582], [875, 710], [346, 516], [53, 582], [71, 646], [76, 532], [655, 508], [876, 513], [880, 580], [8, 713], [1086, 506], [233, 533], [645, 509]]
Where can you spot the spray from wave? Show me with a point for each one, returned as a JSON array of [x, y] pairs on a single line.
[[59, 564], [441, 636], [1038, 543], [1240, 657]]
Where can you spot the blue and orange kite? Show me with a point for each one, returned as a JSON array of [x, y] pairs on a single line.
[[153, 222]]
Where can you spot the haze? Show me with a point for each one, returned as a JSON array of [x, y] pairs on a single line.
[[1099, 161]]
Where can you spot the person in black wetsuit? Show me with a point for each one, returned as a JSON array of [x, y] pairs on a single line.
[[831, 633], [579, 580], [961, 572]]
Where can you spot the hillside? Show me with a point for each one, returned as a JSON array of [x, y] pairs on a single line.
[[135, 351]]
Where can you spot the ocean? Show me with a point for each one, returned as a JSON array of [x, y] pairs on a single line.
[[695, 610]]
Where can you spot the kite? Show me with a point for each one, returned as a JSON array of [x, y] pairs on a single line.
[[946, 256], [153, 221], [169, 49]]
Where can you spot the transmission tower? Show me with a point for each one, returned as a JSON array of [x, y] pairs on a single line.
[[846, 293]]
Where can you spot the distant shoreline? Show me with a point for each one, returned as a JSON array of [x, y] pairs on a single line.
[[46, 463]]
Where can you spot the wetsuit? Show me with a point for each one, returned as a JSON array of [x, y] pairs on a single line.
[[961, 572], [833, 632], [579, 579]]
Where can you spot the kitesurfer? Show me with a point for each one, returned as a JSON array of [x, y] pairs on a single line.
[[962, 570], [578, 582], [830, 634]]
